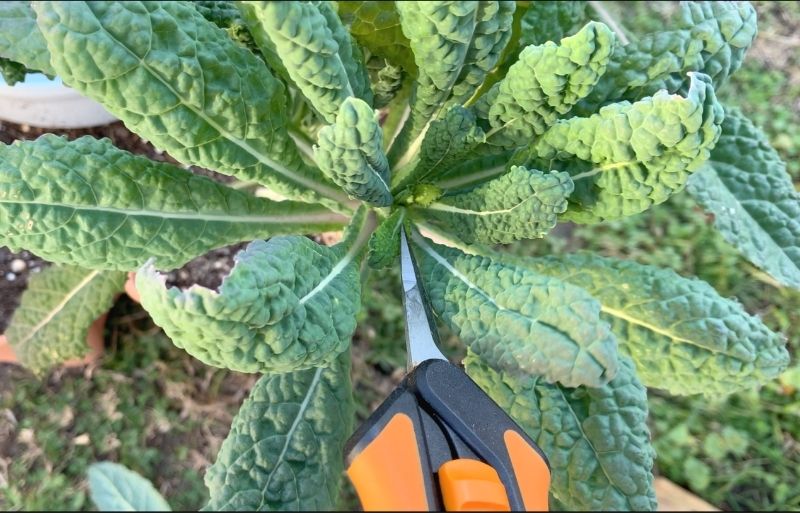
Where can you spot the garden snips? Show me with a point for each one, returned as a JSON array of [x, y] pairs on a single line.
[[438, 442]]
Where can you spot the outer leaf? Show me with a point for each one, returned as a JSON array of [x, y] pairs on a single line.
[[284, 450], [350, 153], [376, 25], [641, 153], [709, 37], [447, 39], [55, 313], [753, 199], [476, 170], [384, 245], [596, 439], [551, 21], [288, 304], [545, 83], [88, 203], [20, 38], [179, 81], [521, 204], [297, 35], [681, 334], [115, 488], [448, 141], [516, 319]]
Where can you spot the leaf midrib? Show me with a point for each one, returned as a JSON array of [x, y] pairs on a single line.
[[321, 217]]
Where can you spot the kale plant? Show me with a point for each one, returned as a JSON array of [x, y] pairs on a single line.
[[469, 124]]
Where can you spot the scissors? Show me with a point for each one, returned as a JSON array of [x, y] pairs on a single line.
[[438, 442]]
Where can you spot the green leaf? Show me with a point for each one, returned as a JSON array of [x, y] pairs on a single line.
[[51, 324], [180, 82], [640, 153], [376, 26], [545, 83], [384, 245], [447, 39], [20, 38], [551, 21], [350, 152], [596, 439], [116, 488], [755, 205], [87, 203], [516, 319], [447, 142], [682, 335], [225, 15], [284, 450], [11, 71], [709, 37], [476, 170], [349, 52], [386, 79], [317, 57], [490, 36], [288, 304], [521, 204]]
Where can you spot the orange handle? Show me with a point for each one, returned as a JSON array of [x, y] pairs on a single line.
[[530, 470], [387, 473]]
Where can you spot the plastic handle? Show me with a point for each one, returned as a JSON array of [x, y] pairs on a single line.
[[387, 473], [530, 471]]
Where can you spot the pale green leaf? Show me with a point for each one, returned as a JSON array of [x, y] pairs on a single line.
[[384, 245], [521, 204], [754, 202], [447, 39], [349, 52], [517, 319], [492, 33], [350, 153], [297, 35], [87, 203], [284, 450], [683, 336], [545, 83], [551, 21], [180, 82], [20, 38], [287, 304], [376, 25], [55, 312], [638, 154], [708, 37], [113, 487], [596, 439]]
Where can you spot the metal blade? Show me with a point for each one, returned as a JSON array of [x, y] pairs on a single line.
[[421, 335]]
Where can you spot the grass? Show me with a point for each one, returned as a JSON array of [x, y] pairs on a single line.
[[148, 406], [151, 407]]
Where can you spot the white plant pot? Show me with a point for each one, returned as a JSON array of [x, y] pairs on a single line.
[[46, 103]]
